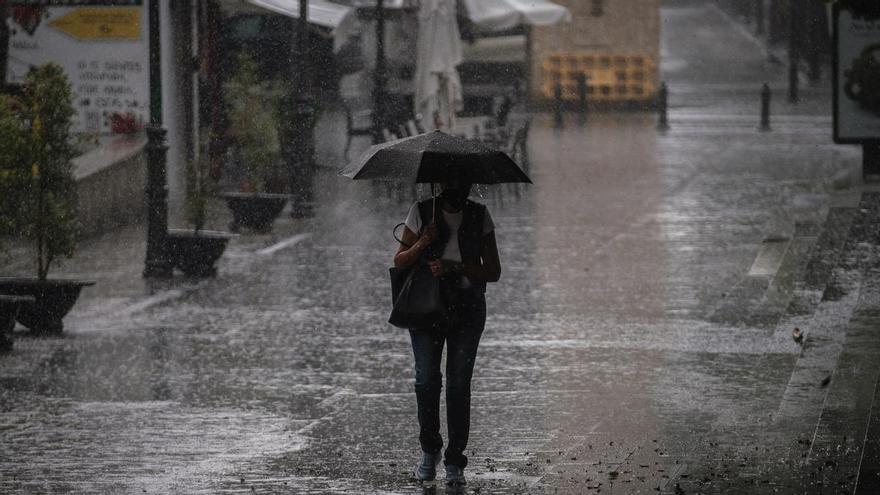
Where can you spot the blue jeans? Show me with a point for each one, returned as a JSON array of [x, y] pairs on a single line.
[[461, 335]]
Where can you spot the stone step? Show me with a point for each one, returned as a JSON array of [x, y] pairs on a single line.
[[761, 298], [869, 466], [828, 247], [826, 404], [844, 337], [804, 282], [840, 438]]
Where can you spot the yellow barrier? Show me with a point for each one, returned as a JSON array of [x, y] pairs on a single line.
[[609, 77]]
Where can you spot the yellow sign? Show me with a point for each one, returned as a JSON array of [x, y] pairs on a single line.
[[101, 23]]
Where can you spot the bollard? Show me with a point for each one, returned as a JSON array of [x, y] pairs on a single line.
[[793, 53], [662, 107], [765, 108], [557, 97], [582, 92], [793, 91], [870, 161]]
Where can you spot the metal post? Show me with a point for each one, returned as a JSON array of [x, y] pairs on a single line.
[[813, 45], [301, 148], [530, 70], [582, 92], [662, 107], [793, 53], [759, 16], [380, 78], [157, 263], [557, 105], [4, 42], [765, 108], [775, 22], [871, 159]]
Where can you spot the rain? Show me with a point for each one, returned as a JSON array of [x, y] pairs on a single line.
[[200, 202]]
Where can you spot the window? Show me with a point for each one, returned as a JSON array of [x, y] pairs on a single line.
[[597, 8]]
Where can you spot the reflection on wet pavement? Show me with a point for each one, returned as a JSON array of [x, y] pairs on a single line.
[[621, 349]]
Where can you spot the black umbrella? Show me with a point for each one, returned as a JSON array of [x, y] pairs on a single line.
[[435, 157]]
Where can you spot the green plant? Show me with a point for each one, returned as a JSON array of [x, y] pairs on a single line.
[[13, 154], [41, 166], [253, 122], [199, 188]]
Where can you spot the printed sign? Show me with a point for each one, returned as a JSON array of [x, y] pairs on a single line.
[[856, 71], [97, 23], [103, 49]]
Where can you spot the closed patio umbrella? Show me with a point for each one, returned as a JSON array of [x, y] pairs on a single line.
[[438, 52]]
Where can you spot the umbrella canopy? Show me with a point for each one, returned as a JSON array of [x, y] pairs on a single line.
[[438, 52], [435, 157], [321, 12]]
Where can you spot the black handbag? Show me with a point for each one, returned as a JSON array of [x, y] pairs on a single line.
[[416, 296]]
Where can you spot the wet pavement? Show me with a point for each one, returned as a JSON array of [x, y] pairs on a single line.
[[639, 340]]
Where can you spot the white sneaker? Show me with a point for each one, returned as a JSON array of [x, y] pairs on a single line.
[[455, 475], [427, 468]]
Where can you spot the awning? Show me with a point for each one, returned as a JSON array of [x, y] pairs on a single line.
[[321, 12], [499, 15], [499, 50]]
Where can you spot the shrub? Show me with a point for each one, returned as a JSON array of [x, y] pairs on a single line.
[[253, 122]]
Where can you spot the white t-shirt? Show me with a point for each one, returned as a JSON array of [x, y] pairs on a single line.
[[451, 252]]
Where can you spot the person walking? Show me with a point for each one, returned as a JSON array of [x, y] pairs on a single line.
[[458, 241]]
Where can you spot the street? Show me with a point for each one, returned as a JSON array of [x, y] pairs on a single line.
[[639, 340]]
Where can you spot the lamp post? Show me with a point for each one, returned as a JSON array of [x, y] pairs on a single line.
[[4, 42], [380, 76], [793, 53], [157, 263], [299, 148], [759, 16]]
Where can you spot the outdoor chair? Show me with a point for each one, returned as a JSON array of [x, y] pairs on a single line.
[[411, 128], [503, 111], [520, 148], [388, 135], [357, 123]]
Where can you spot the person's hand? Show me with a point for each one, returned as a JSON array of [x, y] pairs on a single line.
[[429, 235], [441, 268], [438, 267]]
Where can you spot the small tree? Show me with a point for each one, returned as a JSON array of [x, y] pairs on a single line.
[[46, 197], [13, 153], [253, 122]]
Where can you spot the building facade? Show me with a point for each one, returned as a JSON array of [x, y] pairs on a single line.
[[611, 49]]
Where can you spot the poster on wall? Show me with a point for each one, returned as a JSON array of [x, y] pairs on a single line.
[[103, 48], [856, 71]]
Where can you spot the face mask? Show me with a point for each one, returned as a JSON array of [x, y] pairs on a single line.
[[454, 198]]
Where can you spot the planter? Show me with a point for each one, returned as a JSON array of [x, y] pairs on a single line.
[[194, 253], [53, 299], [9, 306], [254, 211]]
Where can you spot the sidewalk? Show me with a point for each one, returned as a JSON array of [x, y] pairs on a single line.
[[639, 340]]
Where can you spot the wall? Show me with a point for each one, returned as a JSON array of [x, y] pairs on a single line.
[[110, 185], [624, 27]]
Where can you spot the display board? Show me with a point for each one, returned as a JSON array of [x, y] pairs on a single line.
[[101, 45], [856, 72]]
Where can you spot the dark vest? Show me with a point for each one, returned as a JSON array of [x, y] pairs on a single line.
[[470, 234]]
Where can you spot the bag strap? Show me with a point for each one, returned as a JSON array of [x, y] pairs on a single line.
[[394, 234]]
